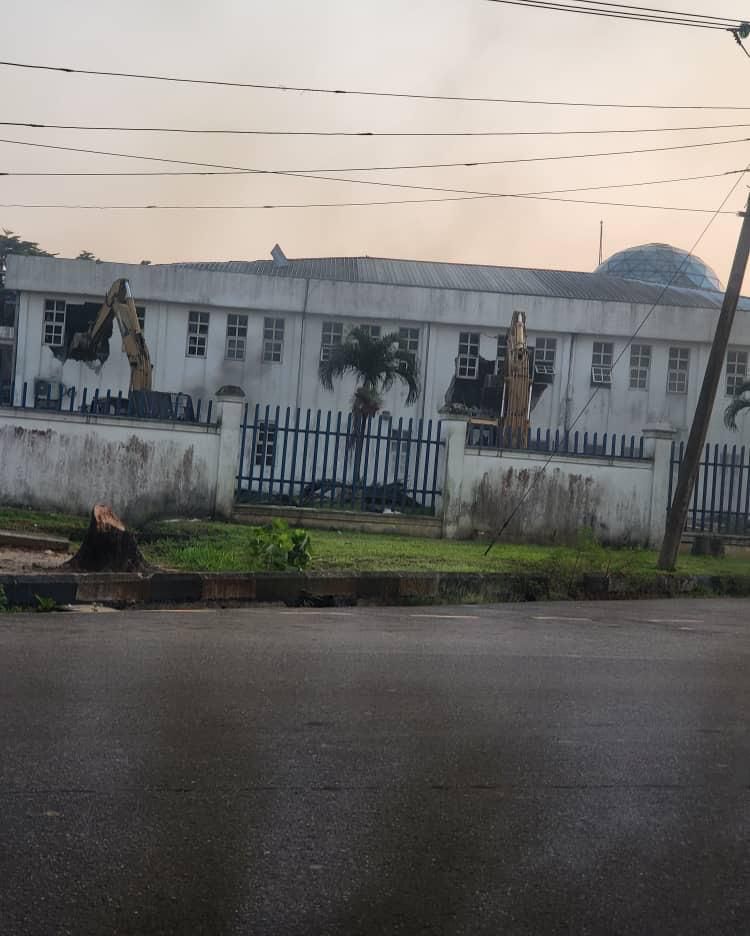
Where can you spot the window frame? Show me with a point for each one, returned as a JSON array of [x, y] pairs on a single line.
[[54, 324], [264, 455], [273, 346], [676, 372], [601, 369], [640, 371], [467, 359], [197, 330], [335, 331], [234, 338], [734, 376]]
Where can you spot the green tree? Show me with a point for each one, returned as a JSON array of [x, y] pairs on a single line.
[[87, 255], [376, 363], [738, 404], [11, 243]]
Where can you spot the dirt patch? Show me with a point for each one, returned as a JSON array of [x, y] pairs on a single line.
[[27, 560]]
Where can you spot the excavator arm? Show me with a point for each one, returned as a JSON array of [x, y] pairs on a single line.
[[118, 305]]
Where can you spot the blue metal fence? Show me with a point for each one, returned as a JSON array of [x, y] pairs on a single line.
[[139, 404], [314, 459], [721, 496], [592, 445]]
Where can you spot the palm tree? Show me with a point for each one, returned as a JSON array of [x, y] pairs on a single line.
[[377, 363], [739, 403]]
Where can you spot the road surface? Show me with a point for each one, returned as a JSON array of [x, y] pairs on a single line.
[[521, 769]]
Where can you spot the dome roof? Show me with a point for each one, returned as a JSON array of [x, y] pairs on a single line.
[[663, 264]]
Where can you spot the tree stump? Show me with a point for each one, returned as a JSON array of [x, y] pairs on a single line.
[[108, 546]]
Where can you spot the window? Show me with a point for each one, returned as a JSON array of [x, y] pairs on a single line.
[[140, 311], [236, 337], [265, 445], [677, 373], [640, 366], [736, 371], [54, 322], [273, 339], [372, 330], [601, 364], [331, 337], [408, 340], [502, 353], [467, 365], [197, 334], [545, 353]]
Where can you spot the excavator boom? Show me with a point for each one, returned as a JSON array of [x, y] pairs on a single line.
[[118, 305]]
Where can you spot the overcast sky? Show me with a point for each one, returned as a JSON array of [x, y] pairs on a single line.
[[454, 47]]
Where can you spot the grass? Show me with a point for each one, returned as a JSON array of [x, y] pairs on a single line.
[[220, 547]]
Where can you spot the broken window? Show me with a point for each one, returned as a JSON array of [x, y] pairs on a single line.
[[502, 353], [677, 372], [640, 366], [331, 337], [265, 445], [197, 334], [736, 371], [236, 337], [273, 340], [467, 363], [601, 364], [54, 322], [545, 353]]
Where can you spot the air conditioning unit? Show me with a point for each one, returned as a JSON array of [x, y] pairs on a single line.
[[47, 394]]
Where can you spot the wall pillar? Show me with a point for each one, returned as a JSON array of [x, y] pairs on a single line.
[[231, 406], [455, 445], [659, 438]]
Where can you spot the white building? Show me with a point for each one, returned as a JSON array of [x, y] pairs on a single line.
[[264, 325]]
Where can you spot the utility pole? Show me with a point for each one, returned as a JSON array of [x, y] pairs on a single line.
[[697, 438], [601, 242]]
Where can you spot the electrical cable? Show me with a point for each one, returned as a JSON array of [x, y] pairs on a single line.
[[633, 14], [538, 475], [312, 173], [34, 125], [351, 92]]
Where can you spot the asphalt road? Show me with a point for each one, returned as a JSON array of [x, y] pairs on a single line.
[[538, 768]]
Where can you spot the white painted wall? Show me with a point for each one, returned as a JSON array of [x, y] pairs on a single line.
[[52, 461], [170, 293]]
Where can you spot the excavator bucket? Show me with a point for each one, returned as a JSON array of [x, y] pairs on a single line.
[[81, 347]]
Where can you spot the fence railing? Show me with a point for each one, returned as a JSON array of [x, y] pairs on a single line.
[[591, 445], [138, 404], [319, 459], [721, 496]]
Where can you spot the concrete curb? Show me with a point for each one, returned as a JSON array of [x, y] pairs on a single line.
[[34, 541], [340, 589]]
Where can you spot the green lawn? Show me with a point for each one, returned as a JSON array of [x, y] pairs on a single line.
[[220, 547]]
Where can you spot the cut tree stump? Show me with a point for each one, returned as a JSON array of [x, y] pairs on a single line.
[[108, 546]]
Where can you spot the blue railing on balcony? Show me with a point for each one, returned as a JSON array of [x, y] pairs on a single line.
[[489, 437]]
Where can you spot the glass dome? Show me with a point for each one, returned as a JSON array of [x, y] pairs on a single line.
[[663, 264]]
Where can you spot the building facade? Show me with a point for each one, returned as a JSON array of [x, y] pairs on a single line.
[[265, 325]]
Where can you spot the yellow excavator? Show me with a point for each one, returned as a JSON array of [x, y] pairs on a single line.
[[118, 306]]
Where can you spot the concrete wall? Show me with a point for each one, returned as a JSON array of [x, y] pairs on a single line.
[[144, 469], [169, 294], [622, 501]]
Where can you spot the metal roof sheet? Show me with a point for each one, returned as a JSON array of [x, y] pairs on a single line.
[[563, 284]]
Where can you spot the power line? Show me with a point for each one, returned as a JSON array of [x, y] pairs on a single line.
[[53, 174], [352, 92], [630, 6], [537, 477], [33, 125], [410, 201], [633, 14], [314, 173], [544, 195]]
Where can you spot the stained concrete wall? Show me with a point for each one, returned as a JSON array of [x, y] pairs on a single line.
[[617, 499], [143, 469]]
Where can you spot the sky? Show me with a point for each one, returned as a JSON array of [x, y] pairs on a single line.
[[448, 47]]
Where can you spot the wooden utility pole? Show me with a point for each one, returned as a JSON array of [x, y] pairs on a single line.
[[697, 438]]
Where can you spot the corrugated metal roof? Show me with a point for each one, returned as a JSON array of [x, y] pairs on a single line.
[[519, 281]]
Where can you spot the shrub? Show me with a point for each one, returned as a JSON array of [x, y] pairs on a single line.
[[3, 600], [278, 548]]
